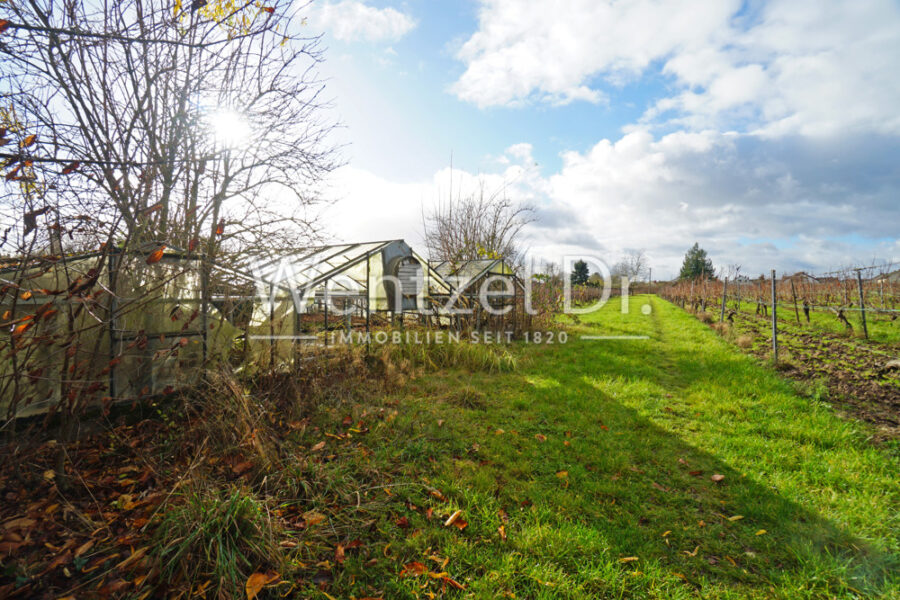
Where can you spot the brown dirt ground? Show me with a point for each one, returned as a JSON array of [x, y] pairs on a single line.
[[851, 369]]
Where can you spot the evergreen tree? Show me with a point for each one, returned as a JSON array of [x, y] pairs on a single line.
[[580, 273], [696, 264]]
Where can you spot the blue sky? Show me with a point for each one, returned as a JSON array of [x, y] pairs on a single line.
[[767, 131], [398, 92]]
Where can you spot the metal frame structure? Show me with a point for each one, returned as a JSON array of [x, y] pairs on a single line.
[[300, 287]]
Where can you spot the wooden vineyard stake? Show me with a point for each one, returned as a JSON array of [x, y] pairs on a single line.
[[724, 297], [862, 303], [794, 294], [774, 322]]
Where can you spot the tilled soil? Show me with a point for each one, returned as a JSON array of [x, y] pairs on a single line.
[[853, 370]]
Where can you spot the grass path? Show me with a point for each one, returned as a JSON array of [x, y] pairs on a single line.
[[587, 473]]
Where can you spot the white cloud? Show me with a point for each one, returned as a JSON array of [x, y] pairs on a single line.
[[812, 203], [354, 20], [761, 203], [549, 51], [366, 206], [813, 67]]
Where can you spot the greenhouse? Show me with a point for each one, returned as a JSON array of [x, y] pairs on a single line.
[[116, 326], [466, 276]]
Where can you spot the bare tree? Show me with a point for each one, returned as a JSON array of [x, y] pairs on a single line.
[[632, 265], [131, 127], [477, 226], [143, 123]]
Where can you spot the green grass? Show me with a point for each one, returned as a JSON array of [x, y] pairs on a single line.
[[879, 325], [218, 537], [633, 431]]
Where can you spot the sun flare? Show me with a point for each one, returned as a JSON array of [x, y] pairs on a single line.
[[229, 127]]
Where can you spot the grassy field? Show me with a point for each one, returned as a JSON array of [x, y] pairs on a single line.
[[590, 471], [881, 327], [669, 467]]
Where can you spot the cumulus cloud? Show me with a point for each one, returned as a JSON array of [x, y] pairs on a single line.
[[365, 206], [542, 51], [354, 20], [731, 192], [788, 204], [774, 144], [781, 67]]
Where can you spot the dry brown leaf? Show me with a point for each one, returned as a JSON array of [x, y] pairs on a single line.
[[414, 568], [313, 518], [20, 523], [717, 478], [136, 555], [452, 519], [257, 581], [452, 583], [156, 255], [628, 559]]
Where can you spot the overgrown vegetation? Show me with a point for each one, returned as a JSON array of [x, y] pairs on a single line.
[[856, 375], [659, 468]]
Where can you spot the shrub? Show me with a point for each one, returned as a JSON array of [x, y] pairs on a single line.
[[222, 536], [491, 358]]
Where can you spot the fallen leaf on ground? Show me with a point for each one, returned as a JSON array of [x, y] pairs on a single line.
[[257, 581], [313, 518], [452, 519], [628, 559], [20, 523], [717, 478], [452, 583], [414, 568]]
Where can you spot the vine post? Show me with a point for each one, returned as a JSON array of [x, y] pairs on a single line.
[[794, 295], [862, 302], [724, 297], [774, 321]]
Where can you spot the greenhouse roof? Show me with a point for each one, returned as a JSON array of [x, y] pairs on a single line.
[[463, 274], [310, 268]]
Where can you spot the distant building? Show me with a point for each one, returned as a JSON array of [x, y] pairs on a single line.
[[802, 277], [892, 277]]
